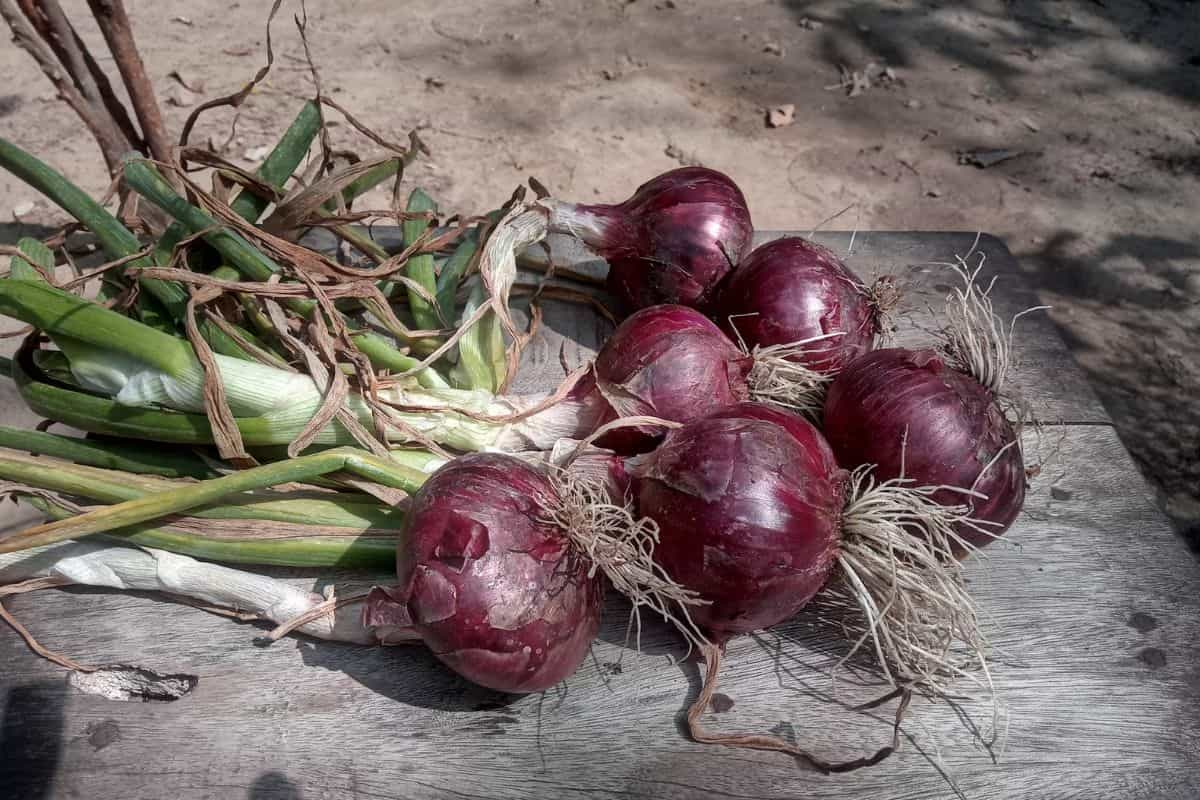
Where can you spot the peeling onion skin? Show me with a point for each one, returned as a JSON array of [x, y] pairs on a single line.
[[790, 290], [955, 428], [495, 590], [672, 241], [671, 362], [749, 515]]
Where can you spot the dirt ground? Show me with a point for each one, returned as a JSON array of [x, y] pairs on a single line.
[[1099, 101]]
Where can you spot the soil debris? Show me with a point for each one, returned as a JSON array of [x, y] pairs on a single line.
[[781, 116]]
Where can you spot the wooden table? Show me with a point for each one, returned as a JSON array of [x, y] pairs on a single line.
[[1095, 616]]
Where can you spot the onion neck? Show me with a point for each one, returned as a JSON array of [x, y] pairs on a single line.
[[593, 225]]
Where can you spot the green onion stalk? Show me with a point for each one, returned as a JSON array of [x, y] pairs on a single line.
[[297, 528], [119, 242], [130, 373], [236, 497]]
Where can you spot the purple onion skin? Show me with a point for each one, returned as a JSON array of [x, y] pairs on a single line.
[[670, 362], [955, 428], [790, 290], [495, 591], [820, 457], [748, 516], [672, 241]]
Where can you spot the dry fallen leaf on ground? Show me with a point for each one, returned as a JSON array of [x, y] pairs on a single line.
[[781, 116]]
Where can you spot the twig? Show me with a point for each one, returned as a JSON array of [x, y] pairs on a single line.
[[108, 135], [301, 20], [51, 23], [32, 585], [112, 102], [114, 24]]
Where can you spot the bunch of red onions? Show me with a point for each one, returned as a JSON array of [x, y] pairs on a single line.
[[748, 511], [906, 412]]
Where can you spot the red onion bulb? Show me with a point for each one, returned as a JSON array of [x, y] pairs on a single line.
[[669, 362], [791, 290], [749, 515], [492, 586], [671, 242], [908, 413]]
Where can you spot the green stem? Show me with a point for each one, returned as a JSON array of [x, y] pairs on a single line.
[[281, 162], [275, 170], [453, 270], [33, 254], [359, 552], [384, 356], [176, 500], [114, 237], [239, 253], [366, 182], [340, 510], [365, 245], [109, 455], [420, 267], [94, 414], [65, 314]]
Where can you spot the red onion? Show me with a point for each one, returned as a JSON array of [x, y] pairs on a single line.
[[749, 516], [911, 415], [490, 583], [669, 362], [499, 570], [754, 515], [791, 290], [671, 242], [803, 315]]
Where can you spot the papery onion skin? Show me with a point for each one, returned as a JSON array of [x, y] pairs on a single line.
[[908, 410], [671, 242], [748, 517], [790, 290], [494, 588], [670, 362], [819, 457]]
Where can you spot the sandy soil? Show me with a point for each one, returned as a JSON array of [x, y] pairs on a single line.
[[1099, 98]]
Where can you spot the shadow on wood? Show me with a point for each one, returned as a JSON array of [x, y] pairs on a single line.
[[31, 729]]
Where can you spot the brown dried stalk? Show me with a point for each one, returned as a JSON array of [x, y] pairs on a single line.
[[226, 435], [107, 133], [758, 741], [50, 21], [114, 24]]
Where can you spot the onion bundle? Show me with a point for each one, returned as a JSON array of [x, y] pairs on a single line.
[[500, 567]]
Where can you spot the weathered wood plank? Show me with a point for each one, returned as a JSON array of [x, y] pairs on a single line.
[[1097, 613]]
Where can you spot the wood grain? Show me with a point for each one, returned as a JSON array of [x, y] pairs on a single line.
[[1096, 613]]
